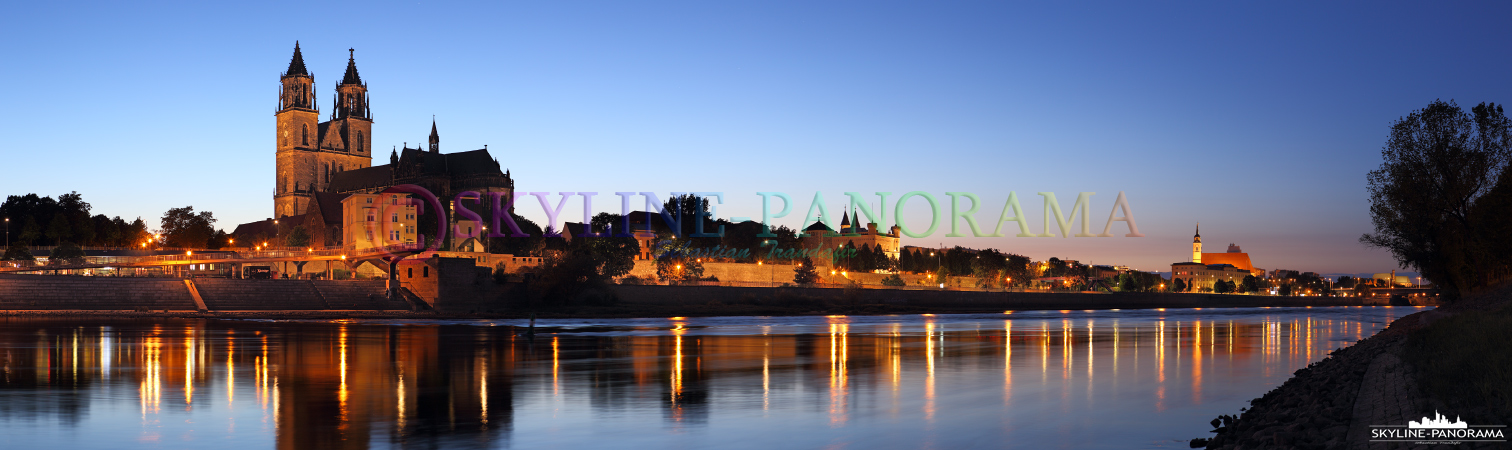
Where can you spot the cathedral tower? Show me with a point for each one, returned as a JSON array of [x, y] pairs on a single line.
[[311, 152], [298, 128], [347, 140], [1197, 245]]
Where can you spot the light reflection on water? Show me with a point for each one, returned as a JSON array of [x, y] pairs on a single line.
[[1065, 379]]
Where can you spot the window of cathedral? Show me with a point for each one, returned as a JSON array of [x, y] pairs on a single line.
[[304, 135]]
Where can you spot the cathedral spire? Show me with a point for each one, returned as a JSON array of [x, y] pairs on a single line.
[[296, 65], [351, 76], [351, 93], [435, 138]]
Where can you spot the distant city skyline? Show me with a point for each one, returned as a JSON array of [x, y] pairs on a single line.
[[1259, 121]]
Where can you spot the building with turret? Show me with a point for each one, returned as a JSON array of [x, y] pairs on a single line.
[[1207, 268], [889, 243]]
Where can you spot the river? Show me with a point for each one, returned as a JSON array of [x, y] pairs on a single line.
[[1026, 379]]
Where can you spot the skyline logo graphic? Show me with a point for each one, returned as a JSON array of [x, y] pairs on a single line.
[[1438, 430], [1439, 421]]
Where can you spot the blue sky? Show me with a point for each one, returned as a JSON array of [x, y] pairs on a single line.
[[1258, 120]]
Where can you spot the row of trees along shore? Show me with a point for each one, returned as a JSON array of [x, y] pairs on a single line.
[[66, 223]]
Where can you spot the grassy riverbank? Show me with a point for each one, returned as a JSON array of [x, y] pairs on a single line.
[[1452, 359], [1465, 360]]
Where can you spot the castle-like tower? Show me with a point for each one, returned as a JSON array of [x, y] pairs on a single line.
[[310, 151], [1197, 245]]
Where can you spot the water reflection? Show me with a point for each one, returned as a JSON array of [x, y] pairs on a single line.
[[1126, 379]]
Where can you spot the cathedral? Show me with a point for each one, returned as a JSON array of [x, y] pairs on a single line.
[[322, 163]]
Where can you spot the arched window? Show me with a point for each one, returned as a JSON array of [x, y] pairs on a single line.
[[304, 134], [359, 141]]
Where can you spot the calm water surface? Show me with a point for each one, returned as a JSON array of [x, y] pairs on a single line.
[[1056, 379]]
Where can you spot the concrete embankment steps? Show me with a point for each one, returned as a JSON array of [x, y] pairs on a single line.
[[46, 292], [292, 295], [258, 295], [93, 293], [360, 295]]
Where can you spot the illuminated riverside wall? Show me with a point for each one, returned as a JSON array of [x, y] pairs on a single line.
[[783, 273], [965, 300]]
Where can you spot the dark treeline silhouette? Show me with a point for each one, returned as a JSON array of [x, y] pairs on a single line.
[[43, 221]]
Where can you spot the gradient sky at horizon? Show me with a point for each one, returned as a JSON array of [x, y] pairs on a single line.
[[1258, 120]]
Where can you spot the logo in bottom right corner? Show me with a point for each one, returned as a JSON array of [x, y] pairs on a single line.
[[1438, 430]]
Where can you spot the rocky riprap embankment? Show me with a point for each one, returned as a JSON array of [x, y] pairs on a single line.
[[1323, 406]]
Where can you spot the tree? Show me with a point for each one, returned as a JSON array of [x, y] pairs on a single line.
[[1346, 282], [500, 273], [1250, 284], [805, 274], [844, 256], [613, 256], [865, 260], [1223, 287], [183, 228], [30, 232], [17, 252], [1286, 289], [531, 245], [1055, 267], [1437, 164], [77, 211], [298, 237], [685, 211], [106, 233], [991, 267], [219, 240], [1178, 285], [571, 277], [136, 233], [1127, 282], [66, 253], [893, 280], [672, 265], [678, 270], [58, 229]]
